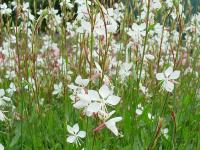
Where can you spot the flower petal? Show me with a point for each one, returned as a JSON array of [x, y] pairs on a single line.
[[168, 71], [138, 111], [160, 76], [80, 104], [70, 129], [111, 124], [94, 107], [113, 100], [104, 91], [2, 116], [168, 85], [71, 139], [94, 95], [81, 82], [175, 75], [82, 134], [1, 147]]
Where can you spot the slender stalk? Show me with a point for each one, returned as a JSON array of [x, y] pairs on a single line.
[[145, 43], [161, 41], [93, 141], [159, 125]]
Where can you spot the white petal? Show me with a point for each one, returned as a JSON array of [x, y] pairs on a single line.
[[6, 99], [76, 128], [78, 80], [165, 130], [85, 82], [2, 102], [111, 124], [2, 92], [169, 86], [160, 76], [98, 67], [70, 129], [2, 116], [94, 95], [94, 107], [82, 82], [56, 86], [84, 97], [1, 147], [82, 134], [71, 139], [175, 75], [55, 92], [113, 128], [80, 104], [138, 111], [104, 91], [72, 87], [168, 71], [113, 100]]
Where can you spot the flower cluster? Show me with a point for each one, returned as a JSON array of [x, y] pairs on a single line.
[[95, 103]]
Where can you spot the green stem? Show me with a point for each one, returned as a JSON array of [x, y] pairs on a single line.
[[145, 43]]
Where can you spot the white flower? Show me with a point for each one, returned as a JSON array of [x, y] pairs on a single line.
[[10, 75], [139, 109], [169, 3], [67, 3], [1, 147], [78, 88], [3, 102], [30, 84], [137, 32], [125, 70], [156, 4], [150, 116], [86, 102], [75, 135], [148, 57], [165, 132], [168, 78], [4, 10], [93, 101], [3, 98], [111, 125], [2, 118], [11, 89], [81, 82], [143, 88], [57, 88], [104, 97]]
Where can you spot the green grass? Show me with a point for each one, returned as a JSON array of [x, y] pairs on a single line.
[[34, 124]]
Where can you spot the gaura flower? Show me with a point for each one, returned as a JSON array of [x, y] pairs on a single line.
[[103, 98], [139, 109], [125, 70], [168, 78], [80, 83], [165, 132], [93, 101], [137, 32], [11, 89], [3, 98], [109, 123], [57, 88], [75, 135]]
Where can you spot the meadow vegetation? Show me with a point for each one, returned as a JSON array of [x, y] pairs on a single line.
[[98, 77]]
